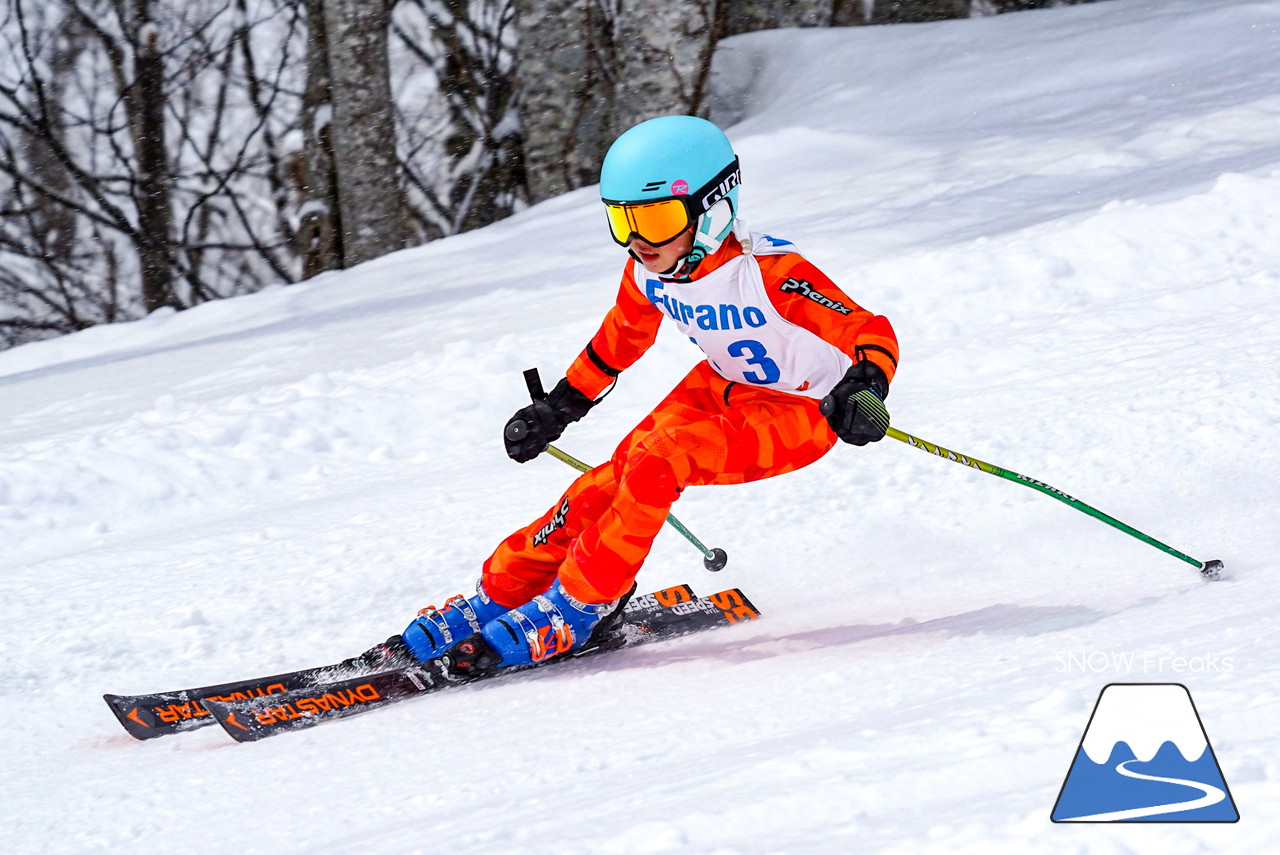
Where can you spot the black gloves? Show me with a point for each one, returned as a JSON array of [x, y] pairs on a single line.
[[855, 408], [529, 432]]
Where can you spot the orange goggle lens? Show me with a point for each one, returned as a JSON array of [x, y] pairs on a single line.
[[655, 223]]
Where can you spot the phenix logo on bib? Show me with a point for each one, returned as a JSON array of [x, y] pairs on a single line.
[[803, 287]]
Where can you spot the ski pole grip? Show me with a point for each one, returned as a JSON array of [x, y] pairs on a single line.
[[519, 428], [828, 405], [534, 382]]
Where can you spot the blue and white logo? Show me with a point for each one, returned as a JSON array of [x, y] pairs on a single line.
[[1145, 757]]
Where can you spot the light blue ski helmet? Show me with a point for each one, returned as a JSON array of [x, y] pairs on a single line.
[[677, 157]]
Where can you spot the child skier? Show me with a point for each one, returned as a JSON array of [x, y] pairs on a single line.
[[779, 337]]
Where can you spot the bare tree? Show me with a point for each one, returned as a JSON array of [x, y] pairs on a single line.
[[461, 148], [138, 139], [145, 102], [164, 152], [372, 211], [41, 266], [319, 238]]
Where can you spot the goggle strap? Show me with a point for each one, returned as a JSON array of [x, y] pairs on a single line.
[[719, 186]]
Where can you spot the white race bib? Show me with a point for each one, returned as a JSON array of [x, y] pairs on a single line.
[[729, 316]]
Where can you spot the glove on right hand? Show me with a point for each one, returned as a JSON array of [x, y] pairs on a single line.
[[855, 408]]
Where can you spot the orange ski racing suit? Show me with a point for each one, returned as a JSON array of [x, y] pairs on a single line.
[[778, 335]]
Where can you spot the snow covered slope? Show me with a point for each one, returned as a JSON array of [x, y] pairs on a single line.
[[1072, 218]]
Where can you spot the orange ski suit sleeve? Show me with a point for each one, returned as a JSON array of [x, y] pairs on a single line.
[[806, 297], [628, 330]]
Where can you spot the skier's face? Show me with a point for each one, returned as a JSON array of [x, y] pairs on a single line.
[[660, 259]]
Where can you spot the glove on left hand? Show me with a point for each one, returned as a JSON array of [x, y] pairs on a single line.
[[855, 408], [544, 421]]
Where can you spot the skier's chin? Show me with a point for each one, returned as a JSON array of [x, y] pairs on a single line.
[[653, 262]]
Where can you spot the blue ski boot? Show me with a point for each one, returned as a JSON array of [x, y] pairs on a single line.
[[550, 625], [435, 630]]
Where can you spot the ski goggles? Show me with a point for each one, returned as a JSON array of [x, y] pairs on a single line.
[[660, 221]]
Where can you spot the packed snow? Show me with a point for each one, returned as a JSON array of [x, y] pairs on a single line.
[[1071, 216]]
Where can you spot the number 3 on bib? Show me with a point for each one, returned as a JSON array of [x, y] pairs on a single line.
[[757, 356]]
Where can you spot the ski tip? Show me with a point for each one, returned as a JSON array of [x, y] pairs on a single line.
[[236, 722], [159, 714], [1212, 569], [135, 718]]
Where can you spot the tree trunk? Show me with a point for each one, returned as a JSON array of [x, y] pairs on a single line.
[[849, 13], [564, 73], [917, 11], [371, 207], [664, 58], [319, 229], [584, 77], [54, 224], [154, 182]]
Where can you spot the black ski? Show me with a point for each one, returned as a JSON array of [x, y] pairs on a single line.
[[162, 713], [180, 710], [647, 619]]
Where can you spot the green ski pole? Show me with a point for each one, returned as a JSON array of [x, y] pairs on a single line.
[[1210, 570]]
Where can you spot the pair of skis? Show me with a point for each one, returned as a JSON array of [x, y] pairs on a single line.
[[249, 710]]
